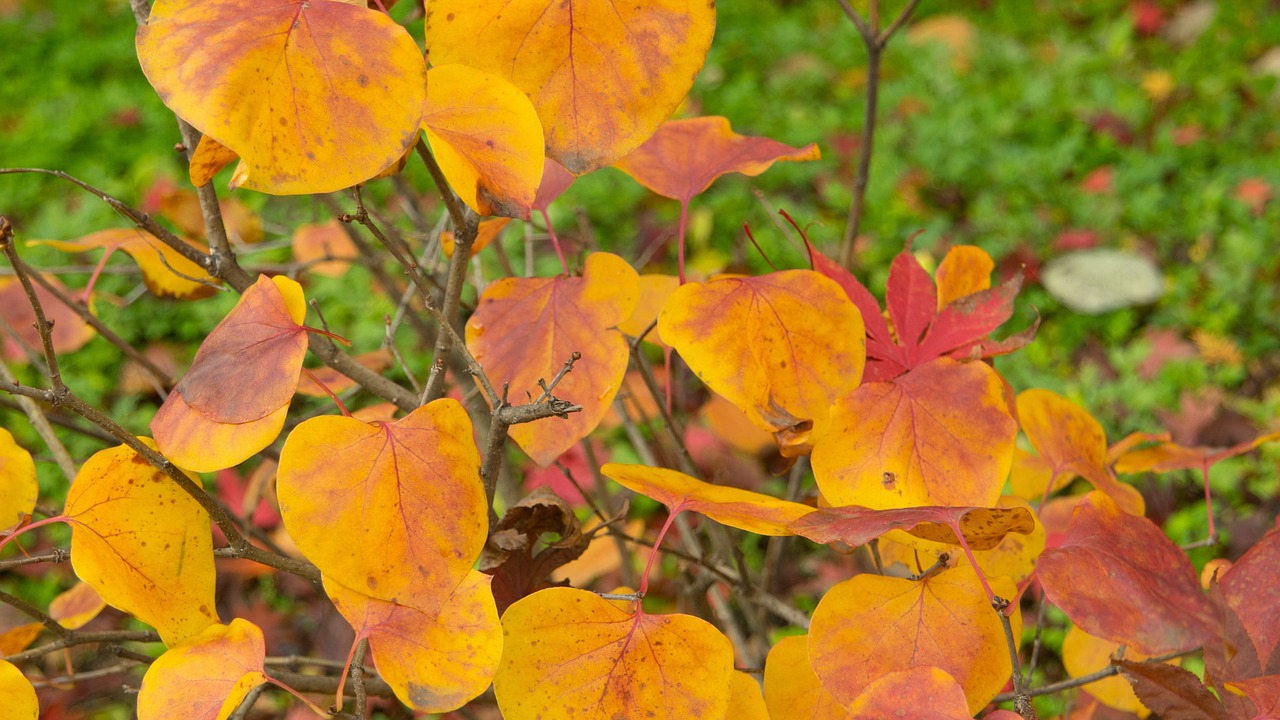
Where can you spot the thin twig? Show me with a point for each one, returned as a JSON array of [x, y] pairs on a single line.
[[358, 680], [1021, 701], [77, 638], [41, 423], [58, 555], [1071, 683]]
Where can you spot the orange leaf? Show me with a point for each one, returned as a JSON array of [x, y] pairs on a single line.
[[1169, 456], [487, 138], [654, 291], [791, 687], [436, 655], [195, 442], [780, 346], [407, 495], [377, 361], [929, 691], [208, 159], [524, 330], [743, 509], [745, 700], [142, 542], [966, 269], [70, 333], [982, 528], [18, 487], [1072, 443], [602, 76], [327, 245], [572, 654], [487, 232], [16, 639], [1084, 654], [19, 696], [871, 625], [183, 208], [77, 606], [684, 157], [939, 435], [313, 96], [729, 423], [1015, 556], [163, 268], [206, 676]]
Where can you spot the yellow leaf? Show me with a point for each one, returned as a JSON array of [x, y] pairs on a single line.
[[654, 291], [603, 76], [18, 488], [208, 159], [19, 697], [932, 690], [1015, 556], [487, 232], [142, 542], [16, 639], [965, 270], [486, 137], [407, 495], [165, 272], [436, 655], [570, 654], [206, 676], [314, 96], [791, 687], [1084, 654], [77, 606], [1158, 85], [745, 700]]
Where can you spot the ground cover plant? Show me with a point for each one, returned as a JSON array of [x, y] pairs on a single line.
[[399, 477]]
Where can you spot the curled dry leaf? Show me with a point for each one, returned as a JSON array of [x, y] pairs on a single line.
[[407, 493], [524, 330], [19, 697], [18, 487], [206, 676], [571, 654], [313, 96], [485, 134], [165, 272], [509, 555], [602, 76], [142, 542], [437, 653]]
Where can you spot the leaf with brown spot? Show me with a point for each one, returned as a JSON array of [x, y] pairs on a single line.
[[206, 676], [325, 248], [18, 487], [509, 555], [603, 76], [939, 435], [524, 330], [142, 542], [1119, 577], [406, 493], [314, 96], [486, 136], [570, 654], [17, 331], [165, 272], [437, 653]]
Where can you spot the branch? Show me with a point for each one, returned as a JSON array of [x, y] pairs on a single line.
[[85, 638], [58, 555], [1105, 672], [41, 423], [1021, 701]]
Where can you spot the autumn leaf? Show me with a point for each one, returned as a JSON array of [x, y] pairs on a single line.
[[1119, 577], [486, 136], [377, 360], [18, 487], [981, 528], [16, 639], [1083, 654], [654, 292], [571, 654], [510, 557], [19, 696], [313, 96], [74, 608], [745, 700], [524, 330], [182, 207], [555, 180], [923, 688], [1171, 692], [406, 493], [209, 158], [206, 676], [871, 625], [69, 334], [791, 687], [165, 272], [1248, 629], [196, 442], [435, 655], [1167, 456], [486, 232], [602, 76], [780, 346], [939, 435], [142, 542], [1264, 692], [325, 248], [1015, 555], [964, 270]]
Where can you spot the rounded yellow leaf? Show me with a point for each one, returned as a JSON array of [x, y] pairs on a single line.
[[18, 488], [206, 676], [871, 625], [314, 96], [487, 138], [436, 655], [20, 701], [781, 346], [745, 700], [406, 495], [142, 542], [603, 76], [929, 691], [792, 689], [570, 654]]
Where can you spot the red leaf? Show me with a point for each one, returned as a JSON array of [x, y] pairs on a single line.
[[912, 299], [555, 180], [982, 528], [970, 319], [1172, 692]]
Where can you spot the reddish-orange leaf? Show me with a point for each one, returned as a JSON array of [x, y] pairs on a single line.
[[791, 687], [165, 272], [327, 248], [70, 333], [939, 435], [194, 441], [19, 697], [871, 625], [435, 655], [981, 528], [142, 542], [1264, 692], [525, 329], [407, 495], [570, 654], [1072, 443], [1119, 577], [1168, 456], [16, 639], [602, 76], [1248, 588], [313, 96], [377, 361], [77, 606], [18, 487], [743, 509], [555, 180], [1171, 691], [208, 159], [966, 269], [183, 208], [206, 676], [780, 346], [929, 691], [487, 232], [684, 157]]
